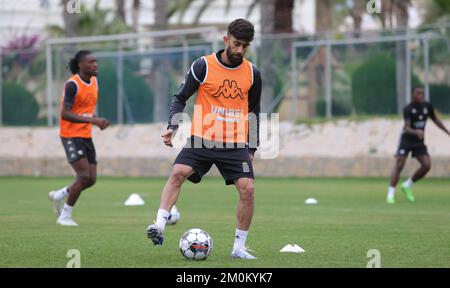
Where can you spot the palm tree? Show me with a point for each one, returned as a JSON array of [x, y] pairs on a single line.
[[324, 15], [356, 12], [281, 10], [161, 78], [400, 8], [181, 7], [401, 12], [135, 14], [70, 20], [121, 14], [120, 10], [95, 21], [283, 16], [387, 11], [267, 11]]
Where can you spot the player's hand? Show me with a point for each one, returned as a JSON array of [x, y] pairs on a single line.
[[167, 137], [251, 157], [102, 123], [420, 134]]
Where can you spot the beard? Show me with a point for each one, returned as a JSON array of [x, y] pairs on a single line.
[[234, 59]]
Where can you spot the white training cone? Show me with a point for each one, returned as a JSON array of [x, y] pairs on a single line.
[[298, 249], [311, 201], [134, 200], [292, 248]]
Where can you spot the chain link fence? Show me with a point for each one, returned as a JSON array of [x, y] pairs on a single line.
[[368, 75], [304, 77]]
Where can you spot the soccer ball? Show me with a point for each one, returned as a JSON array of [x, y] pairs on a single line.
[[174, 216], [196, 244]]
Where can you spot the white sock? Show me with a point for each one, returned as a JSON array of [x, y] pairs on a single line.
[[161, 218], [239, 239], [61, 194], [66, 212], [391, 192], [408, 183]]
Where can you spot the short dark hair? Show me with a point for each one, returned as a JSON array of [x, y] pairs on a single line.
[[73, 63], [415, 87], [241, 29]]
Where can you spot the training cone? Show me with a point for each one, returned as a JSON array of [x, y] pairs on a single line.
[[293, 248], [311, 201], [134, 200]]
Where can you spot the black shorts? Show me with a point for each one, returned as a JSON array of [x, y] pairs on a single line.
[[233, 163], [77, 148], [416, 148]]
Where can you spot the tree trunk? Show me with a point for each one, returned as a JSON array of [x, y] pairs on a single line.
[[324, 16], [161, 10], [135, 14], [401, 13], [283, 16], [267, 10], [324, 22], [70, 20], [356, 13], [386, 13], [162, 66], [120, 10]]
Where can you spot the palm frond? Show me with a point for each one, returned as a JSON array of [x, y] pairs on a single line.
[[201, 10], [183, 6], [252, 7], [227, 6]]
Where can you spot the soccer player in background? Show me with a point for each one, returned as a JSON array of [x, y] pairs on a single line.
[[78, 105], [415, 114], [228, 94]]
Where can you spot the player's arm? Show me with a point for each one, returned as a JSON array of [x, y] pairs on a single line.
[[254, 108], [70, 92], [408, 129], [438, 121], [188, 87]]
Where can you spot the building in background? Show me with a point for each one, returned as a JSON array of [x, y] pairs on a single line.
[[28, 17]]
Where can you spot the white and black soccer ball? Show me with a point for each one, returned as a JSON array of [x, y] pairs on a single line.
[[196, 244], [174, 216]]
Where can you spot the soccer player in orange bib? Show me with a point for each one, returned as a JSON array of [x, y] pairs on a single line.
[[228, 95], [78, 106]]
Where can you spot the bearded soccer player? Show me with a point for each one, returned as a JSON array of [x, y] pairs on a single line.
[[78, 106], [412, 140], [224, 129]]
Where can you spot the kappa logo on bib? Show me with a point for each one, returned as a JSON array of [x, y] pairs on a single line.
[[229, 90]]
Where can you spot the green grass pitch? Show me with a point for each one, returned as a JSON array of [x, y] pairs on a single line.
[[350, 219]]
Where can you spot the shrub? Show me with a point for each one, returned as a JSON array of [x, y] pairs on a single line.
[[19, 105], [374, 86], [440, 97], [138, 94]]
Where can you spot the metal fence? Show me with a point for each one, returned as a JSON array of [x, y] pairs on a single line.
[[363, 76], [138, 74], [370, 73], [140, 71]]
